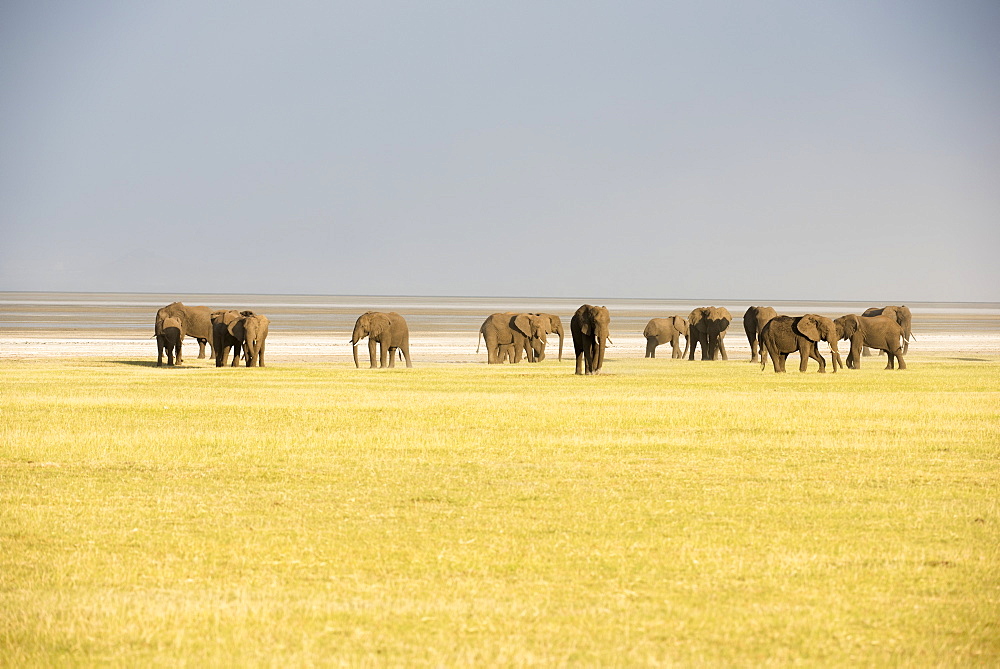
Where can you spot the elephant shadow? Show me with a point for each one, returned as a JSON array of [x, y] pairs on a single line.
[[137, 363]]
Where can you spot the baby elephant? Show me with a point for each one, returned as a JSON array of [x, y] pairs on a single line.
[[169, 335], [786, 334]]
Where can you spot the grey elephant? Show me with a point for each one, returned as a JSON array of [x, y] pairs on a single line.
[[659, 331], [786, 334], [901, 315], [708, 329], [591, 330], [169, 335], [879, 332], [754, 321], [196, 322], [386, 332], [554, 326], [228, 333], [513, 334]]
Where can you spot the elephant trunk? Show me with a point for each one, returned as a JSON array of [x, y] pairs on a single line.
[[835, 357], [601, 342], [356, 337], [561, 335]]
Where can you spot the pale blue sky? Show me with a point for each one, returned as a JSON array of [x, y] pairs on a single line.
[[752, 150]]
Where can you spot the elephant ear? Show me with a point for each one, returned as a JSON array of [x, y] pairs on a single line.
[[523, 324], [681, 325], [724, 314], [695, 317], [377, 323], [895, 313], [586, 322], [236, 327], [850, 325], [808, 327]]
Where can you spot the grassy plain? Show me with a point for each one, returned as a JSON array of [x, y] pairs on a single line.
[[667, 512]]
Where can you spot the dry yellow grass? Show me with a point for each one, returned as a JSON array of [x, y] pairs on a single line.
[[668, 512]]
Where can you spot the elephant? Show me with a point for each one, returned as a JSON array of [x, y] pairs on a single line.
[[169, 335], [785, 334], [591, 329], [554, 326], [708, 328], [512, 334], [662, 330], [386, 331], [901, 315], [228, 333], [879, 332], [754, 321], [196, 322]]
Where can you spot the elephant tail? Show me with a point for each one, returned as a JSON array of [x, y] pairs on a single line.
[[479, 339]]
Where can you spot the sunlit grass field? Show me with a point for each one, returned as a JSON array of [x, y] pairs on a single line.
[[668, 512]]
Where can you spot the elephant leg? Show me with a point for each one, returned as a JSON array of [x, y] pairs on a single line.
[[201, 348], [865, 351], [856, 354], [895, 355], [819, 358], [405, 348], [260, 354], [392, 357], [722, 347], [579, 363], [650, 347], [383, 351], [492, 350], [815, 355], [804, 355]]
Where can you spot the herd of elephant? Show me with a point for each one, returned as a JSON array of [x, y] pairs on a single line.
[[888, 329], [515, 336]]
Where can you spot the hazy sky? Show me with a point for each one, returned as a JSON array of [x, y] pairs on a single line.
[[755, 150]]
